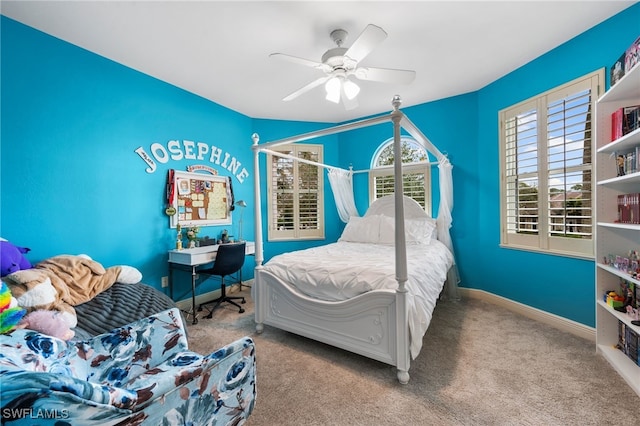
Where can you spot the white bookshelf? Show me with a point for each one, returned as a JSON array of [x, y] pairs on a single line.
[[612, 237]]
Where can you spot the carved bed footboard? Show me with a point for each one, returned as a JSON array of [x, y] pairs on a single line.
[[366, 325]]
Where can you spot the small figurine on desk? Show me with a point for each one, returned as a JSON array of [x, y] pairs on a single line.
[[179, 237], [224, 237]]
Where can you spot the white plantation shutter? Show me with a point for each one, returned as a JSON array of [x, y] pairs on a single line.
[[521, 131], [282, 185], [546, 166], [309, 181], [295, 194], [415, 182], [569, 165], [416, 173]]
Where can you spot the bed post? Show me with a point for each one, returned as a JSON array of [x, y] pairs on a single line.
[[402, 329], [257, 288]]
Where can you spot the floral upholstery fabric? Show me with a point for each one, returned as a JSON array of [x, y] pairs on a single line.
[[142, 373]]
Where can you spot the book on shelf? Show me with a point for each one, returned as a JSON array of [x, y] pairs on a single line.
[[616, 124], [632, 55], [617, 69], [629, 59], [630, 163], [624, 121], [627, 162], [629, 208], [628, 342], [630, 119]]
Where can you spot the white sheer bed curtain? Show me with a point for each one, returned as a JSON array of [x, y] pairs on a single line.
[[443, 223], [342, 187], [444, 220]]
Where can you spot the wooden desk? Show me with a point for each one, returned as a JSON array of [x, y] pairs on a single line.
[[194, 257]]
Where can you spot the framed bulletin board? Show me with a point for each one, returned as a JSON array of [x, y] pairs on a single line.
[[200, 200]]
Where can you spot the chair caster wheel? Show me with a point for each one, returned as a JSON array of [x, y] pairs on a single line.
[[210, 315], [243, 301], [241, 310]]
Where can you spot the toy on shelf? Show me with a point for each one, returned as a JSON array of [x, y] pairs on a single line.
[[614, 299], [629, 264]]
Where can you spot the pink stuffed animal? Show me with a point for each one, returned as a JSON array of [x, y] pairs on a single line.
[[47, 322]]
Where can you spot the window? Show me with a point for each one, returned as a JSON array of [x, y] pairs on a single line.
[[416, 172], [545, 170], [296, 196]]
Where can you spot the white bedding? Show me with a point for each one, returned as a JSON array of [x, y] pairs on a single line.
[[342, 270]]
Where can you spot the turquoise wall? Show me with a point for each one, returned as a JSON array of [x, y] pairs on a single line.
[[71, 181], [560, 285], [451, 125]]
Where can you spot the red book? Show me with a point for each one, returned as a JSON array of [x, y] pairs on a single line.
[[620, 203], [616, 124], [626, 208]]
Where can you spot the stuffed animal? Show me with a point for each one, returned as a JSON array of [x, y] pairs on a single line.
[[47, 322], [12, 258], [62, 282], [10, 312], [33, 291]]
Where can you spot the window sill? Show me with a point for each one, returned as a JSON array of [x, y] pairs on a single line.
[[574, 255]]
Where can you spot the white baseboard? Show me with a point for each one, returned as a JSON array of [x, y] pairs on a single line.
[[553, 320], [185, 304]]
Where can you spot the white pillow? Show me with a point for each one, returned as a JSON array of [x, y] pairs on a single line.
[[362, 230], [417, 231]]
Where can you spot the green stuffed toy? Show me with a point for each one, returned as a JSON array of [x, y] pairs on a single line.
[[10, 312]]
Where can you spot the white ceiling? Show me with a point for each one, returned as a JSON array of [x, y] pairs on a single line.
[[220, 49]]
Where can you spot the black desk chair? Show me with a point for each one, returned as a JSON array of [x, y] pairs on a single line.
[[229, 260]]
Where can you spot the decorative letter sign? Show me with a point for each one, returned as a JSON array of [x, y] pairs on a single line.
[[177, 150]]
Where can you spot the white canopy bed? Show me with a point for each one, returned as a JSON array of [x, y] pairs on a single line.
[[350, 294]]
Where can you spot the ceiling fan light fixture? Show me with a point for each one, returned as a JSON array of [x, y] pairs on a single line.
[[333, 90], [351, 89], [340, 63]]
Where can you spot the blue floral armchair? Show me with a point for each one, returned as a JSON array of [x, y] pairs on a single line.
[[141, 373]]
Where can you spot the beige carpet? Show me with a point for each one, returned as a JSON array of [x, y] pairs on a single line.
[[480, 365]]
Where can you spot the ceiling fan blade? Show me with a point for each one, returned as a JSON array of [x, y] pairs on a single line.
[[301, 61], [385, 75], [366, 42], [306, 88]]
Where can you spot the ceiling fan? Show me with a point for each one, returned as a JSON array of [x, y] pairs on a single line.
[[340, 63]]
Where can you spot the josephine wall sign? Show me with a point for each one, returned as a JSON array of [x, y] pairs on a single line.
[[177, 150]]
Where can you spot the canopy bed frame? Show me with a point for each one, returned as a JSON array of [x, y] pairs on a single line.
[[373, 324]]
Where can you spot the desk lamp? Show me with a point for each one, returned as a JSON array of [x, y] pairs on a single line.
[[242, 204]]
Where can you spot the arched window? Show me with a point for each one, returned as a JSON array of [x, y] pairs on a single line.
[[416, 172]]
